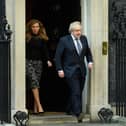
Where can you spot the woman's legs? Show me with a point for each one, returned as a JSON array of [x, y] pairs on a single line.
[[37, 104], [33, 71], [35, 107]]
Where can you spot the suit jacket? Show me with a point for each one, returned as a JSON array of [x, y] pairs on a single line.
[[67, 58]]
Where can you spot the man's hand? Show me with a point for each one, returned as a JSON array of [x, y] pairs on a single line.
[[61, 73], [90, 65]]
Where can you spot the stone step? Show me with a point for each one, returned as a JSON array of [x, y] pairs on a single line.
[[53, 118]]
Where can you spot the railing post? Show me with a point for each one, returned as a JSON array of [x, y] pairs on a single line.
[[5, 83]]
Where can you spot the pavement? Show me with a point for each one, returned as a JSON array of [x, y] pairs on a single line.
[[61, 119], [84, 124]]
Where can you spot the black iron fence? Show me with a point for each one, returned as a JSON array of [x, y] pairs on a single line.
[[5, 86], [117, 55]]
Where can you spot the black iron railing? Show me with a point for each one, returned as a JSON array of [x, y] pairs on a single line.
[[5, 85], [117, 55]]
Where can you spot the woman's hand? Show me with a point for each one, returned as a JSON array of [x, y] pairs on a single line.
[[49, 63]]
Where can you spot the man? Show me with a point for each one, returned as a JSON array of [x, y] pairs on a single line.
[[70, 54]]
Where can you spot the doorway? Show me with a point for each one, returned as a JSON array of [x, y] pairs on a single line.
[[56, 16]]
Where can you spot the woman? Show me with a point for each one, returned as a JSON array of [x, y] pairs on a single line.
[[36, 54]]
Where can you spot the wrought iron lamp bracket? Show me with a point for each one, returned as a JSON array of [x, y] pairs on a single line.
[[5, 31]]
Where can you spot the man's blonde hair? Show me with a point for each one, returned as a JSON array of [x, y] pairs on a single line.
[[74, 25]]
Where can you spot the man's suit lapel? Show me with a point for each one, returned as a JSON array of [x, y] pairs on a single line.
[[72, 43], [83, 42]]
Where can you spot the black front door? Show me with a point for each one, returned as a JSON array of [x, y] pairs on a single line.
[[56, 16]]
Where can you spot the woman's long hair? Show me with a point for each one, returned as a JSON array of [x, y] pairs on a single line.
[[42, 32]]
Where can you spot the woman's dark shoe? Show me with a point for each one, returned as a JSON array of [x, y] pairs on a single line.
[[37, 113], [34, 113], [40, 113]]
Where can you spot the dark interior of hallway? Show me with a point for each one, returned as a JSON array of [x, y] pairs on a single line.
[[56, 16]]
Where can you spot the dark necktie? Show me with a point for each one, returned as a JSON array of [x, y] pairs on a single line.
[[79, 48]]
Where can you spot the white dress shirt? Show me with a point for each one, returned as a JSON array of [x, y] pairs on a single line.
[[75, 43]]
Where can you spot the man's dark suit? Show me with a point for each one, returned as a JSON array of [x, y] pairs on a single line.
[[73, 65]]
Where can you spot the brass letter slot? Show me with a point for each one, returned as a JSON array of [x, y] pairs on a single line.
[[104, 48]]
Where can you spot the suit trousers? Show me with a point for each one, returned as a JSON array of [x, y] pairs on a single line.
[[76, 85]]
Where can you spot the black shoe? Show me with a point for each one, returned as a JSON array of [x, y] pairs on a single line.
[[33, 113], [41, 113], [69, 113], [80, 118], [37, 113]]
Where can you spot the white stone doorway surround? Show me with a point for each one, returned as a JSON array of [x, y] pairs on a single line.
[[94, 15]]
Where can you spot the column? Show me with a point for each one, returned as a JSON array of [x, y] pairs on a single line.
[[97, 32], [99, 75], [86, 95], [15, 11]]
